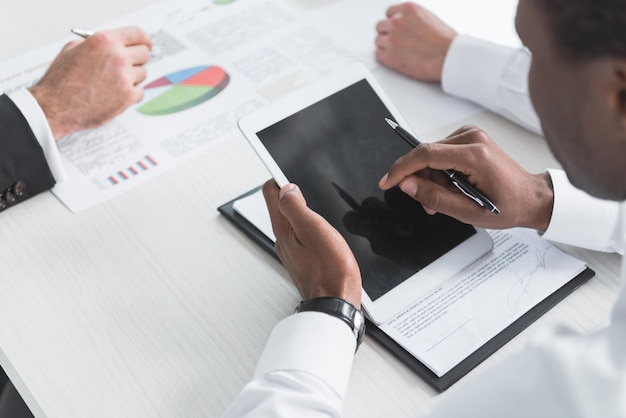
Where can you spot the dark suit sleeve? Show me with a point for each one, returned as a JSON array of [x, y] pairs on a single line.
[[24, 171]]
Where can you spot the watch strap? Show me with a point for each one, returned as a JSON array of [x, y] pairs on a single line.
[[339, 308]]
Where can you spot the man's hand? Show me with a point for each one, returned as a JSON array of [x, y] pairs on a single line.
[[524, 199], [92, 81], [313, 252], [413, 41]]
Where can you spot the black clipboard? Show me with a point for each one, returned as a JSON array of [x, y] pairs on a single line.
[[441, 383]]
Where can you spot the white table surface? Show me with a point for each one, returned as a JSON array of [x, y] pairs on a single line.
[[153, 305]]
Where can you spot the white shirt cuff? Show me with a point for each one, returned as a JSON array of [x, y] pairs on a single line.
[[35, 117], [492, 75], [582, 220], [473, 68], [314, 343]]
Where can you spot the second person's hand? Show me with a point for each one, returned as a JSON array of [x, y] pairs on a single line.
[[524, 199], [91, 81], [413, 41]]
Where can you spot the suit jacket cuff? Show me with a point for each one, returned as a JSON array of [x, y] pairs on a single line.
[[35, 117], [23, 168]]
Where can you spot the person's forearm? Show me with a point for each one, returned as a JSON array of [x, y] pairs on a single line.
[[286, 394], [303, 372], [493, 76]]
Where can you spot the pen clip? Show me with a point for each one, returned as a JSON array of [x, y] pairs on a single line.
[[471, 196]]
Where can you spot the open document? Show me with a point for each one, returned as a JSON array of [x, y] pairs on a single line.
[[215, 60], [212, 62], [458, 315]]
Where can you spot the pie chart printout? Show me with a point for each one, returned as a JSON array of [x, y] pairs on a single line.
[[183, 89]]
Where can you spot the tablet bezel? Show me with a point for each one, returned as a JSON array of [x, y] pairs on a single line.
[[407, 292]]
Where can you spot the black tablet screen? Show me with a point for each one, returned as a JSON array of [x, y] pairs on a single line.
[[337, 150]]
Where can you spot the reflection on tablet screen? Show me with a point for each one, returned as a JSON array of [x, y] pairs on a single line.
[[336, 150]]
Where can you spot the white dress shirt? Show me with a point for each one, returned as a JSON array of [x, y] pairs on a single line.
[[35, 117], [304, 369]]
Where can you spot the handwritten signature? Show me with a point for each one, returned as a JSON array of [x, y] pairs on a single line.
[[524, 279]]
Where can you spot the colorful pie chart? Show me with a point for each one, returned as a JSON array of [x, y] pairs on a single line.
[[183, 89]]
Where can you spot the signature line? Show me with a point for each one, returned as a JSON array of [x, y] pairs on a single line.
[[450, 334]]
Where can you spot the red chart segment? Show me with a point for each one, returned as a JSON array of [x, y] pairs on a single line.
[[184, 89], [211, 76], [163, 81]]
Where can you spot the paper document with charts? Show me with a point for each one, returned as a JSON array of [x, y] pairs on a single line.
[[213, 61], [459, 315]]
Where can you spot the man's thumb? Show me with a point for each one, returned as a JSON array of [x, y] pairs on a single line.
[[291, 203]]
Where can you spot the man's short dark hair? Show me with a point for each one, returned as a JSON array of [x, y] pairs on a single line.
[[588, 29]]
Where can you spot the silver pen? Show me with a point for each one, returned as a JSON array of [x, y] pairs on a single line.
[[457, 179], [82, 33]]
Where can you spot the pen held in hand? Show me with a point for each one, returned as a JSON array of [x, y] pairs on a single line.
[[457, 179], [82, 33]]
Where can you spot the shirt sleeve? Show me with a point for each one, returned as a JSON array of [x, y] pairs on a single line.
[[492, 75], [561, 374], [35, 117], [496, 77], [584, 221], [303, 372]]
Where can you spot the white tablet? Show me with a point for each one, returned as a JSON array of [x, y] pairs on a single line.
[[331, 138]]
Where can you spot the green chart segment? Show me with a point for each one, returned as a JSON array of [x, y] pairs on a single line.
[[183, 89]]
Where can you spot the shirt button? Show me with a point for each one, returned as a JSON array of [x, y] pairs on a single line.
[[10, 196], [19, 188]]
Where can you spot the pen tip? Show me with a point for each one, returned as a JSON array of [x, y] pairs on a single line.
[[391, 123]]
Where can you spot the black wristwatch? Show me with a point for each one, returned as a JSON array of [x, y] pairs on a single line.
[[340, 308]]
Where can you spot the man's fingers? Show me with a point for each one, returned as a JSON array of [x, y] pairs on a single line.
[[133, 35], [135, 95], [437, 198], [288, 211], [271, 193], [463, 151], [71, 44], [138, 74], [459, 134], [437, 156], [292, 205], [307, 226], [383, 27], [138, 54], [394, 10], [382, 42]]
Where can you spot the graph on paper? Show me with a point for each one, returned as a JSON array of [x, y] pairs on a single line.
[[182, 90]]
